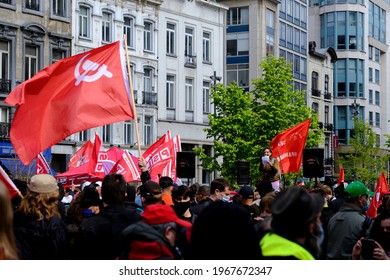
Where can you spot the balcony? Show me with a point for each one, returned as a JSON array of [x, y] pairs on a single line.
[[149, 98], [315, 92], [190, 61], [4, 130], [5, 86], [328, 127], [32, 5], [6, 2], [327, 96]]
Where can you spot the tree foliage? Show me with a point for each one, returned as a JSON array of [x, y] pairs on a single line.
[[365, 161], [244, 123]]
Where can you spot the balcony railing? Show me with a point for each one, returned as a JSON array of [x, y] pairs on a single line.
[[315, 92], [32, 6], [190, 61], [328, 96], [5, 86], [6, 1], [4, 130], [149, 98], [328, 127]]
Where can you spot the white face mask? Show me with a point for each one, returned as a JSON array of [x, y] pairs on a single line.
[[226, 198]]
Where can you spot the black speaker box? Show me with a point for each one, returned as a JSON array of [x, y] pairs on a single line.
[[185, 164], [243, 173], [313, 163]]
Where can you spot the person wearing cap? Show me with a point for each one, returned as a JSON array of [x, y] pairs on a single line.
[[246, 194], [154, 237], [349, 224], [296, 230], [38, 228], [98, 236], [150, 193]]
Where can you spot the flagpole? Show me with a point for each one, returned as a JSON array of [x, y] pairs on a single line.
[[281, 165], [132, 97]]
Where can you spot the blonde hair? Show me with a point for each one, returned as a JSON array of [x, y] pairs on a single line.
[[41, 205], [8, 249]]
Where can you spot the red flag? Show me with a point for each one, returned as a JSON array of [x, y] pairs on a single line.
[[155, 146], [41, 166], [288, 145], [341, 176], [163, 161], [12, 189], [100, 163], [381, 188], [127, 165], [82, 156], [76, 93]]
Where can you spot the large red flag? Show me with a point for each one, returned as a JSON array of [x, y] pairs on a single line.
[[82, 156], [341, 176], [288, 145], [155, 146], [41, 165], [76, 93], [381, 188], [12, 189], [127, 165]]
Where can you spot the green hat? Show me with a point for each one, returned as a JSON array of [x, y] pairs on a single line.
[[356, 189]]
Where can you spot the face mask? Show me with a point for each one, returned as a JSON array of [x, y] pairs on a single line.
[[226, 198], [181, 207], [365, 208]]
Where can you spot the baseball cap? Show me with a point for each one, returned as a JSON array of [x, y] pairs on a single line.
[[246, 192], [356, 189], [155, 214], [150, 189], [43, 183]]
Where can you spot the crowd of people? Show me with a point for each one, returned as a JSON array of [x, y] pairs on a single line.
[[114, 219]]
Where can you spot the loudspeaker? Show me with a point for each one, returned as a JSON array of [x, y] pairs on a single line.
[[313, 163], [243, 173], [185, 164]]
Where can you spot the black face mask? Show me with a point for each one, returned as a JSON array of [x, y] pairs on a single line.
[[181, 207]]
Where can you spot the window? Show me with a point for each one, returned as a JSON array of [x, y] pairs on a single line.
[[314, 80], [377, 98], [237, 44], [314, 106], [370, 97], [238, 73], [326, 85], [106, 134], [206, 46], [270, 37], [147, 80], [171, 31], [148, 130], [60, 8], [189, 41], [83, 135], [84, 21], [128, 30], [170, 88], [377, 78], [189, 95], [30, 62], [206, 98], [4, 115], [370, 73], [371, 118], [106, 27], [32, 5], [342, 113], [57, 55], [5, 83], [377, 120], [128, 133], [238, 16], [148, 36]]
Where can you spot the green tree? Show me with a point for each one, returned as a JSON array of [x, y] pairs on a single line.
[[365, 160], [245, 122]]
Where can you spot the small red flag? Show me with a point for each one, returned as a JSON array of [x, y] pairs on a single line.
[[41, 165], [82, 156], [12, 189], [288, 145], [341, 176], [154, 147], [87, 90], [127, 165], [381, 188], [100, 163]]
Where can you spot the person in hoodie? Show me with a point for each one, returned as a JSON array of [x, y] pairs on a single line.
[[154, 237]]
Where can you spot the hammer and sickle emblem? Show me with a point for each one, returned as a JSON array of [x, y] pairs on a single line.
[[87, 67]]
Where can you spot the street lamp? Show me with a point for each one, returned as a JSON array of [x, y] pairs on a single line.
[[214, 78], [355, 107]]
